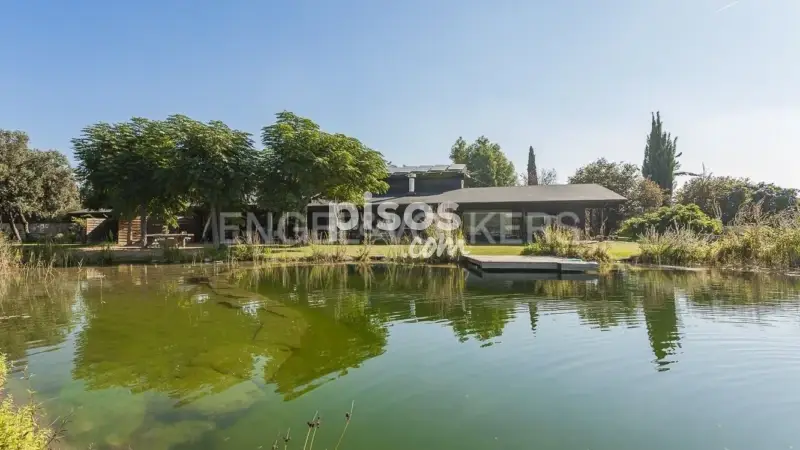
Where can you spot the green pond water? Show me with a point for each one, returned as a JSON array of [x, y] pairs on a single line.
[[434, 358]]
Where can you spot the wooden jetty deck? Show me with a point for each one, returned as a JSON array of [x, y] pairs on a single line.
[[510, 263]]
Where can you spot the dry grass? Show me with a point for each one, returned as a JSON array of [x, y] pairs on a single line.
[[754, 241], [565, 243]]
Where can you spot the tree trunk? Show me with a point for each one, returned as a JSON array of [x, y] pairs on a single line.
[[143, 225], [215, 237], [14, 227], [25, 224]]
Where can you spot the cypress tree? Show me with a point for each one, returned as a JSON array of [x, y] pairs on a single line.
[[533, 177], [661, 157]]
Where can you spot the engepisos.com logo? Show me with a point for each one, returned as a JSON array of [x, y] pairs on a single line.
[[427, 229]]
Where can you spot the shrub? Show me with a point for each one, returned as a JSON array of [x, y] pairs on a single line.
[[760, 246], [687, 217], [562, 242], [677, 247], [249, 252]]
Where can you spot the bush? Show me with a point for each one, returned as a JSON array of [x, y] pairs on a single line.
[[759, 246], [685, 217], [770, 245], [677, 247], [562, 242]]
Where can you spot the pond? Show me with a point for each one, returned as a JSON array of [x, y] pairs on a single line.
[[192, 358]]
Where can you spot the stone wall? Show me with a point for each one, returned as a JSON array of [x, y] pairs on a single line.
[[40, 229]]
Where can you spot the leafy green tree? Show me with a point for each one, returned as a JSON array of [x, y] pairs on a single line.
[[301, 163], [131, 167], [33, 183], [774, 198], [485, 161], [533, 175], [646, 196], [660, 157], [215, 166], [621, 177], [723, 196]]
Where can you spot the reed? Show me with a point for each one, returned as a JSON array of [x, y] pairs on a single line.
[[753, 241]]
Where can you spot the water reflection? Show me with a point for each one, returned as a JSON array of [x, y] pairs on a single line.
[[188, 350]]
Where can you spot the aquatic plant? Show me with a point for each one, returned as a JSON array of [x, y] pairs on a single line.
[[311, 433], [21, 425], [675, 246]]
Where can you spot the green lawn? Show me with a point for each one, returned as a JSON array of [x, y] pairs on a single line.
[[619, 250], [622, 249]]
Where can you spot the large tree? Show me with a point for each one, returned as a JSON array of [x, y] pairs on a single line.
[[485, 161], [302, 163], [533, 175], [548, 176], [619, 177], [723, 197], [130, 167], [544, 177], [215, 166], [661, 157], [622, 178], [33, 183]]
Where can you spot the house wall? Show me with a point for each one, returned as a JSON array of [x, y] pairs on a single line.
[[99, 229], [129, 232], [515, 212], [37, 229], [424, 184]]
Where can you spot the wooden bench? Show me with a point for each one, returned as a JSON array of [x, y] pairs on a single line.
[[159, 239]]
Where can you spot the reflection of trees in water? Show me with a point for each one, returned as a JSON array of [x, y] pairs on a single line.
[[35, 314], [189, 340], [145, 337], [390, 292], [151, 331]]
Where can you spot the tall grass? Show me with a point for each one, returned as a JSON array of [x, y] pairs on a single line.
[[754, 240], [10, 257], [675, 246], [565, 243]]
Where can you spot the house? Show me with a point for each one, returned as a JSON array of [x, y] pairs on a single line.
[[488, 214], [494, 215]]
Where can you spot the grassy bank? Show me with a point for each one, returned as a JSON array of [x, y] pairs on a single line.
[[44, 256], [773, 244]]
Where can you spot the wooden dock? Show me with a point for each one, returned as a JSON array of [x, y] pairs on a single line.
[[551, 264]]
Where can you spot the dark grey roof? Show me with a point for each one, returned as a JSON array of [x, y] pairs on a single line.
[[455, 168], [560, 193]]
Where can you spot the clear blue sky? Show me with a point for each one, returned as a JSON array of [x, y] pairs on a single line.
[[577, 79]]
